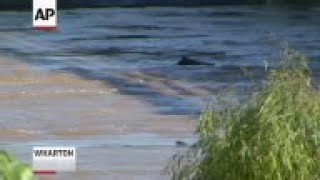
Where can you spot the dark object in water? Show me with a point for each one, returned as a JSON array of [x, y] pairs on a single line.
[[181, 143], [191, 62]]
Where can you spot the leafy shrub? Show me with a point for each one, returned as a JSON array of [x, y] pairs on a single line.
[[11, 169], [274, 135]]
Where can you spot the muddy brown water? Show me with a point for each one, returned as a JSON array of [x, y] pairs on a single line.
[[117, 136]]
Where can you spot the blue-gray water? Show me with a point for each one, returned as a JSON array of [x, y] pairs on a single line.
[[102, 44], [107, 44]]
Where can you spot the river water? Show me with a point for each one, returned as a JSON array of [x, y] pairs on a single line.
[[108, 81]]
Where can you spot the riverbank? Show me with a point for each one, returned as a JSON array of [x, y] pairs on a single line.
[[118, 136], [27, 4]]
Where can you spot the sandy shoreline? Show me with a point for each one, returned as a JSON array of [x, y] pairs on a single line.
[[126, 136]]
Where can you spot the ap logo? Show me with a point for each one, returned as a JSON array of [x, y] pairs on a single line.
[[45, 14]]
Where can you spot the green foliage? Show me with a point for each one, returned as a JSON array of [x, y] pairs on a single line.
[[300, 2], [11, 169], [274, 135]]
